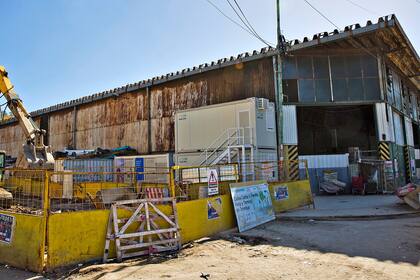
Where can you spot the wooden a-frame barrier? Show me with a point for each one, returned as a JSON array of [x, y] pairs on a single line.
[[156, 232]]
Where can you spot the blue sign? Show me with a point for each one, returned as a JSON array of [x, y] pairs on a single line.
[[252, 204], [139, 164], [281, 193]]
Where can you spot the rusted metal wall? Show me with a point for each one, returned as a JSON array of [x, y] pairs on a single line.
[[114, 122], [223, 85], [124, 120], [12, 138], [60, 129]]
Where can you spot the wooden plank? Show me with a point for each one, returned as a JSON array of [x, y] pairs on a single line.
[[163, 215], [108, 238], [136, 201], [141, 228], [145, 233], [117, 240], [148, 244], [160, 235], [146, 209], [132, 219], [175, 211]]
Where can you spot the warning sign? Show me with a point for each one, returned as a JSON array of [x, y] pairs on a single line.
[[7, 224], [213, 182]]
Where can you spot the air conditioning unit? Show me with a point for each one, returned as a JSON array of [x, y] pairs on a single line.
[[262, 104]]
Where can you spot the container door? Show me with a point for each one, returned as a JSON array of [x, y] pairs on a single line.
[[244, 125]]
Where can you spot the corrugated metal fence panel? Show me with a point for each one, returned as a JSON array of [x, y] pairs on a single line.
[[399, 129], [289, 125], [318, 163], [409, 131], [384, 122], [90, 165], [326, 161]]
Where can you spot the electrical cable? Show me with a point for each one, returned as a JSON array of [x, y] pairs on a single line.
[[330, 21], [234, 21], [320, 13], [246, 22], [363, 8]]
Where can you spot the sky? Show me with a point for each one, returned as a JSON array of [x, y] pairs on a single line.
[[59, 50]]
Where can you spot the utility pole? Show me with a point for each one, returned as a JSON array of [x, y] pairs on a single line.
[[279, 85]]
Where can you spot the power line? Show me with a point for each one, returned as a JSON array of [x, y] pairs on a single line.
[[352, 39], [247, 23], [235, 22], [363, 8], [319, 12]]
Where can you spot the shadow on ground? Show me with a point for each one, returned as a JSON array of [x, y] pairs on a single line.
[[396, 240]]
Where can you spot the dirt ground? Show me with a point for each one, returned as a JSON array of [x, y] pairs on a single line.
[[373, 249]]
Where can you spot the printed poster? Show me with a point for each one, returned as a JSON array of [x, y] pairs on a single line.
[[7, 224], [281, 193], [252, 204], [214, 208]]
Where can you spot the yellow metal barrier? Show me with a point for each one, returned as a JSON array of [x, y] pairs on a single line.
[[76, 236], [27, 246]]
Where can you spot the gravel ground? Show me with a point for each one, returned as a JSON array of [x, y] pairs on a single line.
[[376, 249]]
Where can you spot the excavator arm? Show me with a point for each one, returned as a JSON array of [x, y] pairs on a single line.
[[34, 154]]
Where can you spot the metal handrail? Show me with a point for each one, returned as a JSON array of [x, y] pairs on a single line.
[[231, 136]]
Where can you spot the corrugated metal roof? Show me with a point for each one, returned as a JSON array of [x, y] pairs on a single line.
[[294, 45]]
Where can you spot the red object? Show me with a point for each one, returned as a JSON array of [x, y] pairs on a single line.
[[357, 183], [403, 191]]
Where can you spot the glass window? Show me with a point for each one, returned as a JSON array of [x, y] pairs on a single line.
[[321, 67], [340, 89], [1, 160], [322, 90], [354, 69], [290, 89], [305, 67], [369, 66], [306, 91], [372, 90], [338, 67], [289, 68], [356, 89]]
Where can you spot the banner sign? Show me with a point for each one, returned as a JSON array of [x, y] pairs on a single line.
[[7, 224], [252, 204]]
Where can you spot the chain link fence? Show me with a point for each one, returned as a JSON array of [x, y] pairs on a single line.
[[24, 190]]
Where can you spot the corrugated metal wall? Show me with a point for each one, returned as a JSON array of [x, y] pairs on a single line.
[[318, 163], [124, 120], [290, 136]]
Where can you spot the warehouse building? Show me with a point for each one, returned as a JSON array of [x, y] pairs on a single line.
[[357, 87]]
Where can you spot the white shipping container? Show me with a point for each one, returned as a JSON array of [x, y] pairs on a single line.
[[198, 129]]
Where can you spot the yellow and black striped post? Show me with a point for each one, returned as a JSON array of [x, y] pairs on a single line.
[[384, 151], [292, 162], [407, 163]]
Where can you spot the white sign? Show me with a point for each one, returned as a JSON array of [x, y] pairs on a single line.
[[252, 204], [213, 182]]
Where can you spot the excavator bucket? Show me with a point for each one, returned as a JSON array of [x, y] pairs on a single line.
[[33, 157]]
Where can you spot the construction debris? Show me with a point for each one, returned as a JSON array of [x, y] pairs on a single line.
[[6, 198], [410, 194]]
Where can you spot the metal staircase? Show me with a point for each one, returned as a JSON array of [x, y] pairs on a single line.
[[233, 145]]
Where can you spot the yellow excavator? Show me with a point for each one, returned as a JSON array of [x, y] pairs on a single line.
[[34, 154]]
